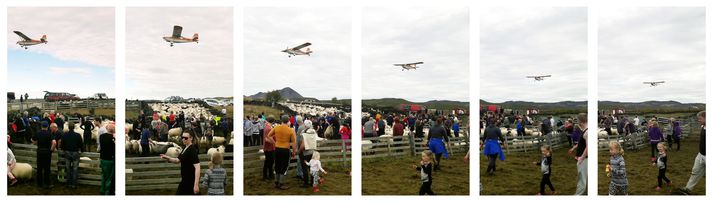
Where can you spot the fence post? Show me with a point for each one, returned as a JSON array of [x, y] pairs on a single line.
[[344, 153], [388, 146], [412, 144]]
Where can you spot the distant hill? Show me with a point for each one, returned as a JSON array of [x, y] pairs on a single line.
[[286, 93], [652, 106], [581, 106], [564, 107]]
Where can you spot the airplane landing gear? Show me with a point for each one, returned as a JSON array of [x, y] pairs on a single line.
[[171, 44], [25, 47]]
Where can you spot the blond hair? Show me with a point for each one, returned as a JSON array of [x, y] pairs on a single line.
[[665, 150], [216, 159], [315, 155], [430, 155], [617, 147]]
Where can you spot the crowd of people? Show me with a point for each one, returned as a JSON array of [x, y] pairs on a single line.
[[493, 142], [440, 127], [50, 136], [156, 127], [616, 168], [294, 137], [193, 127]]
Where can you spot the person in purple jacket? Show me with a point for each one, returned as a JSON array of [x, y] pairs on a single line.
[[676, 133], [655, 136]]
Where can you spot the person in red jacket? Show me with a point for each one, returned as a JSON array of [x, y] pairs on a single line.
[[398, 128]]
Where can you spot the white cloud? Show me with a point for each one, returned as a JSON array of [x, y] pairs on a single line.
[[325, 74], [81, 34], [519, 42], [652, 44], [155, 70], [83, 71], [439, 37]]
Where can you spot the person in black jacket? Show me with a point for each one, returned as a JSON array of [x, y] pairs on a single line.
[[45, 146], [426, 170], [106, 156], [71, 144], [87, 126], [546, 168]]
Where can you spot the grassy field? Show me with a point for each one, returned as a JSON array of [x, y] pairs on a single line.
[[518, 176], [252, 110], [336, 182], [30, 188], [157, 192], [396, 176], [642, 175]]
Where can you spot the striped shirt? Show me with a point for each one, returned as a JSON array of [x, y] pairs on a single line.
[[216, 180]]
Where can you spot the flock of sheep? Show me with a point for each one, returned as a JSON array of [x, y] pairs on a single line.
[[172, 148], [312, 110]]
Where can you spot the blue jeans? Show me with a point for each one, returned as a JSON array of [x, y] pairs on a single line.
[[72, 165]]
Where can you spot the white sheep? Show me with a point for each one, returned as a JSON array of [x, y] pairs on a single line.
[[83, 162], [173, 152], [22, 171], [175, 132], [366, 146], [218, 140]]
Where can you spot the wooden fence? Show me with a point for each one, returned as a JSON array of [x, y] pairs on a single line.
[[89, 172], [407, 145], [148, 173], [334, 151], [640, 139], [526, 144], [66, 105]]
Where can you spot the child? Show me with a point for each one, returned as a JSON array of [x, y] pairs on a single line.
[[314, 167], [616, 169], [426, 169], [661, 163], [215, 177], [546, 168]]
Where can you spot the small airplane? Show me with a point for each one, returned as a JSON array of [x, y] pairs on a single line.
[[654, 83], [27, 41], [409, 66], [297, 50], [177, 38], [539, 78]]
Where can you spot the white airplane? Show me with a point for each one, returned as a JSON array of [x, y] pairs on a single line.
[[297, 50], [654, 83], [539, 78], [409, 66], [27, 41], [177, 38]]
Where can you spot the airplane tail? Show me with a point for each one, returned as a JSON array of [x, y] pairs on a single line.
[[195, 37], [44, 39]]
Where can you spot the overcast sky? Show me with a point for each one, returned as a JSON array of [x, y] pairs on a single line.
[[652, 44], [526, 41], [439, 37], [79, 55], [154, 70], [323, 75]]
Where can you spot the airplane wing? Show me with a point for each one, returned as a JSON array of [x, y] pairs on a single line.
[[530, 77], [647, 83], [546, 76], [399, 64], [415, 63], [302, 46], [22, 35], [177, 31], [661, 82]]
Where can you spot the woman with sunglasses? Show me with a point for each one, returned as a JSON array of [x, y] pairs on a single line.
[[190, 166]]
